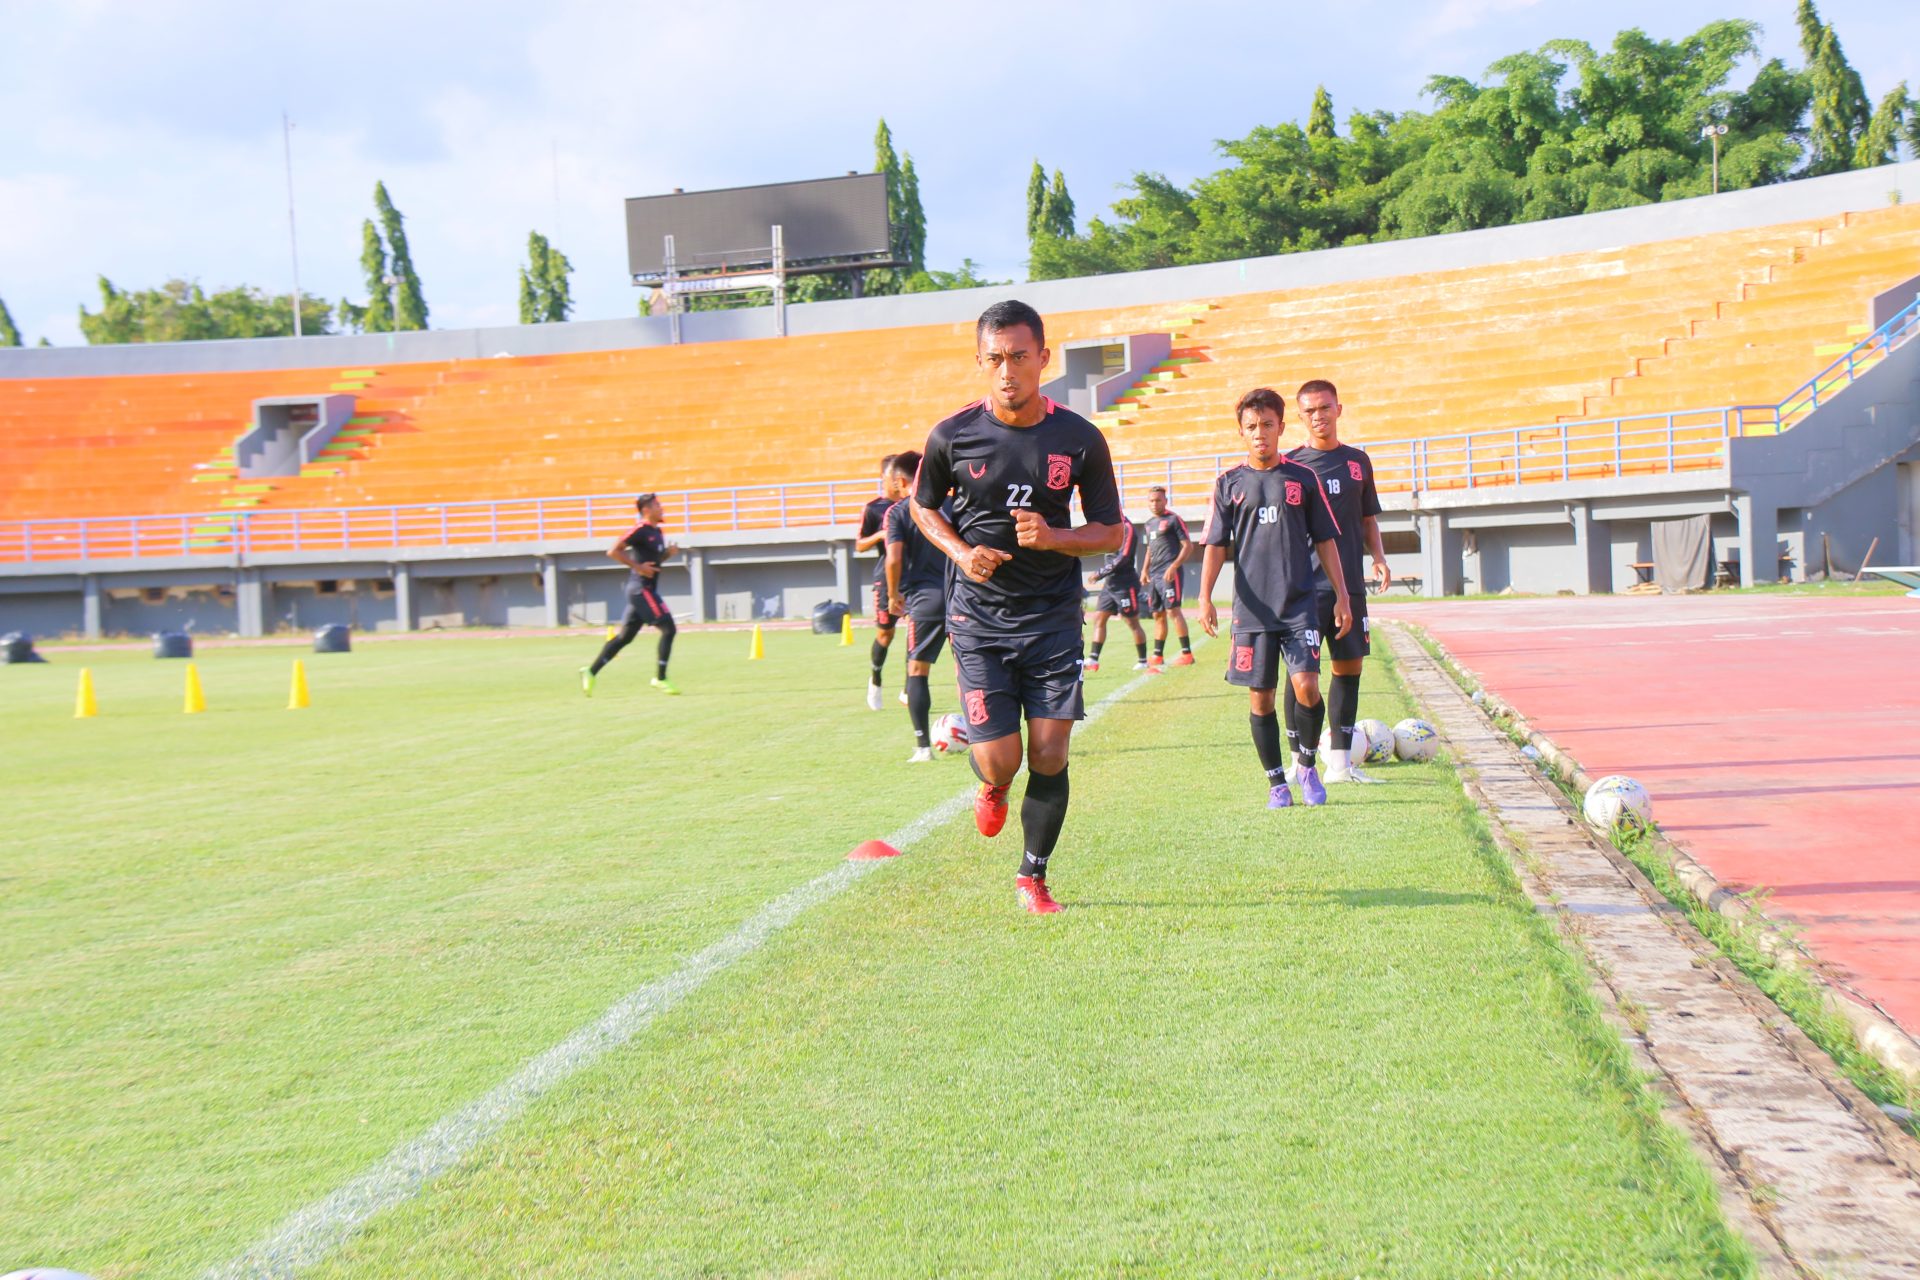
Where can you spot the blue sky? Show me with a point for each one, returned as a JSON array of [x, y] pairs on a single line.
[[142, 139]]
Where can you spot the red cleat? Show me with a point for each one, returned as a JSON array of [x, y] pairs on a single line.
[[990, 809], [1033, 895], [1184, 660]]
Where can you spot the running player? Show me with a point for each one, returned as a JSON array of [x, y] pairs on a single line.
[[1011, 462], [872, 534], [643, 551], [1120, 595], [917, 591], [1275, 516], [1346, 473], [1168, 549]]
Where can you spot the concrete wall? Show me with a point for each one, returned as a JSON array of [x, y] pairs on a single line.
[[1788, 202]]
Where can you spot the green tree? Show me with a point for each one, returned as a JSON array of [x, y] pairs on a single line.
[[967, 277], [1320, 115], [9, 335], [1841, 111], [1036, 200], [545, 296], [410, 304], [1056, 213], [1880, 143], [913, 224], [181, 311], [377, 315]]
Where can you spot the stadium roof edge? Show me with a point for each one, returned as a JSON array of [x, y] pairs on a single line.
[[1702, 215]]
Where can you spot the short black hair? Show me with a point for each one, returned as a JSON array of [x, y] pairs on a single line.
[[886, 463], [1008, 315], [905, 464], [1318, 387], [1261, 398], [640, 503], [1156, 488]]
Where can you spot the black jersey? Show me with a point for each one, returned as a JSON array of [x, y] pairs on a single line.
[[1346, 473], [926, 564], [992, 470], [872, 520], [649, 546], [1165, 536], [1118, 570], [1271, 519]]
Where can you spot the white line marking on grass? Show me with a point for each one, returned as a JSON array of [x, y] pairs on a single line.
[[311, 1233]]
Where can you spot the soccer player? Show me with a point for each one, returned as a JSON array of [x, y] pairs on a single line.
[[917, 591], [1346, 473], [1010, 463], [1274, 514], [643, 551], [1168, 549], [873, 532], [1120, 595]]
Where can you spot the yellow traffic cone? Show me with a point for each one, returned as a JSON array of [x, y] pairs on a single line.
[[297, 699], [846, 629], [84, 706], [196, 696], [759, 649]]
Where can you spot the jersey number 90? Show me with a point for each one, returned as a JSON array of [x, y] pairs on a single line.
[[1267, 515]]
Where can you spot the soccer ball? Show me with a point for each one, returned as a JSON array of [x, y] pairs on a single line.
[[1372, 742], [1618, 802], [950, 734], [1415, 739]]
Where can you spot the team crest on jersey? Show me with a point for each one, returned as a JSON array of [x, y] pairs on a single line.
[[976, 706], [1293, 493], [1353, 469], [1059, 471]]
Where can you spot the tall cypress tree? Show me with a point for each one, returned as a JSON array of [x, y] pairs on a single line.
[[545, 295], [1036, 200], [1320, 115], [1880, 144], [1056, 210], [377, 316], [1841, 111], [410, 306], [9, 335], [913, 232]]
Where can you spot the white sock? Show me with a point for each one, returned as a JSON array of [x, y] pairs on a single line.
[[1337, 761]]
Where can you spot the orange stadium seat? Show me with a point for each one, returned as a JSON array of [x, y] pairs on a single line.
[[1739, 317]]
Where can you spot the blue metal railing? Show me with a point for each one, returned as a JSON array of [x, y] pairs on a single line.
[[1639, 444]]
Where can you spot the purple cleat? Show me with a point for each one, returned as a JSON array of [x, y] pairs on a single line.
[[1312, 790], [1280, 797]]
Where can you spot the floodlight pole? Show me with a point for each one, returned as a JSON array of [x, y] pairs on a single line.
[[779, 282], [673, 295], [293, 234], [1713, 133]]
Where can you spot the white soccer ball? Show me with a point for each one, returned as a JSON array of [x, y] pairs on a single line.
[[1617, 802], [1372, 742], [949, 734], [1415, 739]]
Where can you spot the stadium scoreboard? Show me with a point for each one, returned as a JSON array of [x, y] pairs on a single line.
[[827, 224]]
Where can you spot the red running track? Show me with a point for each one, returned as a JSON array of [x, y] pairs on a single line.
[[1776, 735]]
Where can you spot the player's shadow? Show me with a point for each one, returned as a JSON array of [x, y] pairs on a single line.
[[1357, 899]]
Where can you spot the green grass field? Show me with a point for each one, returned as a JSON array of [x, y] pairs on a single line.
[[249, 953]]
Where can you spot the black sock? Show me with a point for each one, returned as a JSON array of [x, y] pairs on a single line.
[[877, 660], [1311, 720], [1343, 703], [1293, 715], [1186, 643], [667, 632], [1266, 742], [1140, 648], [1093, 654], [628, 630], [919, 702], [1042, 812], [1160, 646]]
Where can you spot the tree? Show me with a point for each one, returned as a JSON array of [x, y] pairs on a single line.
[[1320, 115], [913, 218], [967, 277], [9, 335], [410, 304], [1056, 213], [377, 315], [1880, 143], [1036, 200], [1841, 111], [181, 311], [545, 297]]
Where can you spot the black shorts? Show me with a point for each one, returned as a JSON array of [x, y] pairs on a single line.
[[645, 608], [1124, 601], [926, 624], [1257, 657], [1357, 642], [1162, 595], [881, 618], [1003, 676]]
